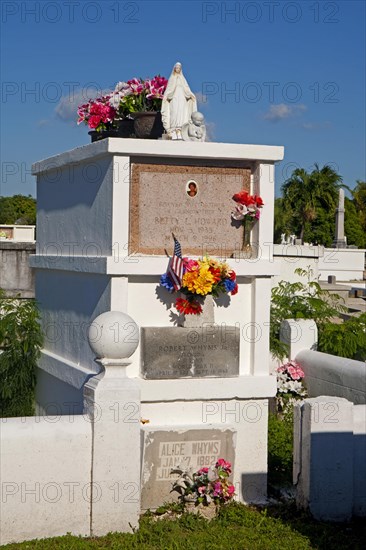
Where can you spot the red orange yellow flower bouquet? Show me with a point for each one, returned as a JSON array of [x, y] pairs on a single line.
[[201, 277]]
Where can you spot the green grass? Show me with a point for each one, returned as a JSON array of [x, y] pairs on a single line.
[[280, 449], [237, 527]]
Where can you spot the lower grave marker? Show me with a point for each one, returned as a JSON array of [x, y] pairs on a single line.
[[164, 450]]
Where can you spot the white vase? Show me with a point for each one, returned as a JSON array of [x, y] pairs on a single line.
[[206, 317]]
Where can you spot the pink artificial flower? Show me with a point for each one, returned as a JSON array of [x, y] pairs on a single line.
[[190, 265], [202, 471], [217, 489], [94, 121], [136, 86], [221, 463], [231, 490], [292, 369], [293, 372]]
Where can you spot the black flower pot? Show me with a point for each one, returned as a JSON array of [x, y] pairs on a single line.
[[125, 128], [148, 125], [97, 136]]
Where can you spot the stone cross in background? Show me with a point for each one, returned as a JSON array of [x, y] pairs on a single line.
[[340, 241]]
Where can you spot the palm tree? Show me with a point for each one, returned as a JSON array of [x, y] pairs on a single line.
[[359, 199], [305, 191]]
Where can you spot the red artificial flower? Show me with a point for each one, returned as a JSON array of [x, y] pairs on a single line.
[[235, 291], [242, 197], [232, 275], [216, 273], [258, 200], [188, 306]]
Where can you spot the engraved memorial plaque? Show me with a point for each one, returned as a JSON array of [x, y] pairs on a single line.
[[164, 450], [178, 352], [193, 202]]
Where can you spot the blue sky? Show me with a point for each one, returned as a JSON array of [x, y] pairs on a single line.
[[270, 72]]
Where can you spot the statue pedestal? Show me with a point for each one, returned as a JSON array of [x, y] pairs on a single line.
[[339, 243]]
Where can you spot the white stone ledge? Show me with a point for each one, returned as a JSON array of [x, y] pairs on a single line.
[[184, 427], [141, 265], [197, 389], [161, 148], [184, 389], [67, 371], [298, 251], [82, 264]]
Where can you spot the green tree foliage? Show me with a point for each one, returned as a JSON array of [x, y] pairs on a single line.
[[280, 448], [321, 230], [300, 300], [356, 234], [304, 193], [347, 339], [359, 198], [282, 219], [18, 209], [20, 343]]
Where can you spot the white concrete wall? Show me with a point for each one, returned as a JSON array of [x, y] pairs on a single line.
[[330, 457], [248, 418], [346, 264], [45, 477], [16, 277], [66, 316], [74, 474], [330, 375], [74, 209], [287, 258]]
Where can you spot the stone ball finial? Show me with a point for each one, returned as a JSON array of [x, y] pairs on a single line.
[[113, 335]]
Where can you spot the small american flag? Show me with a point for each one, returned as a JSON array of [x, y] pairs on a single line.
[[175, 269]]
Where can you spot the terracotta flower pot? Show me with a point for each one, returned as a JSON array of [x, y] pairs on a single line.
[[148, 125]]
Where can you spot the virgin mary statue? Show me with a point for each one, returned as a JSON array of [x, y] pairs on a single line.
[[178, 103]]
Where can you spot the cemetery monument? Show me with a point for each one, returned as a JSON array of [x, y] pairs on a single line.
[[107, 213]]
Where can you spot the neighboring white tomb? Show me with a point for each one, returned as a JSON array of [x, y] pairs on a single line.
[[106, 212], [19, 233]]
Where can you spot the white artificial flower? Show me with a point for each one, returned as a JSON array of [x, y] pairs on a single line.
[[121, 87], [115, 100], [211, 474], [240, 212]]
